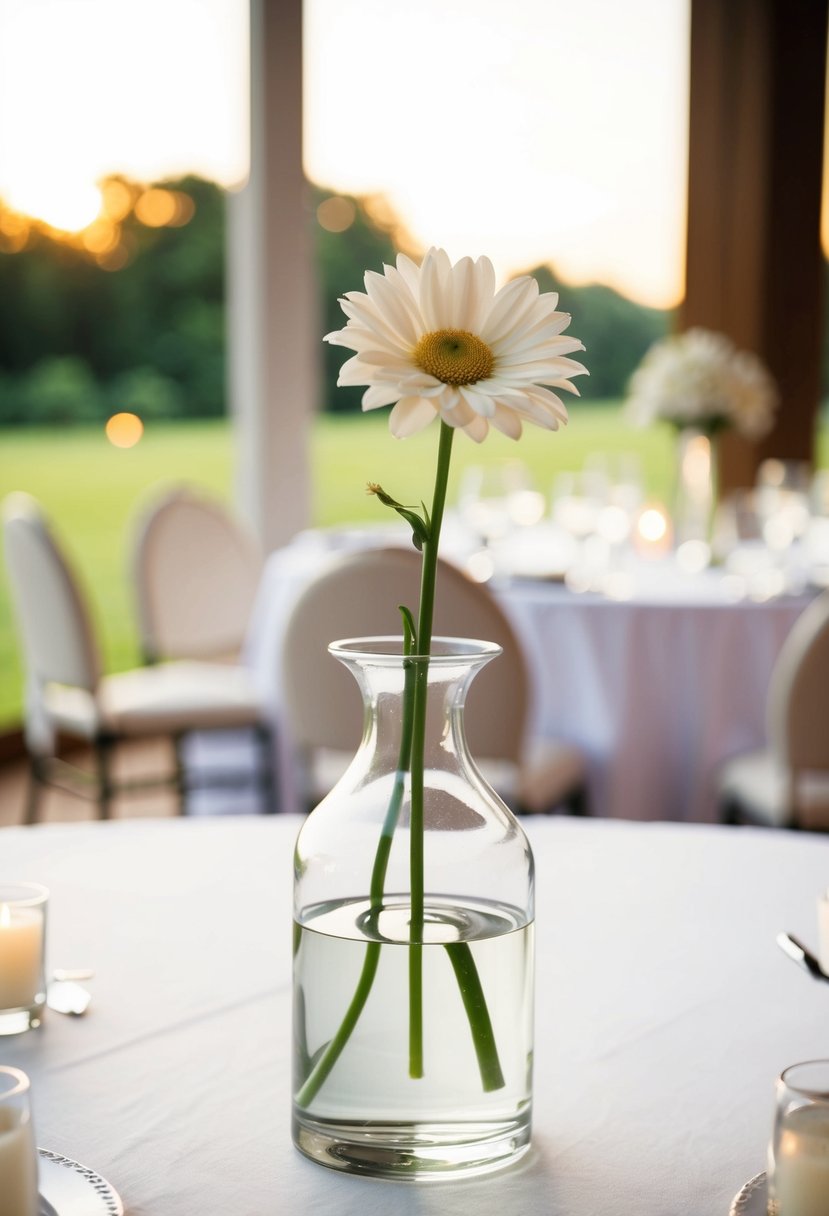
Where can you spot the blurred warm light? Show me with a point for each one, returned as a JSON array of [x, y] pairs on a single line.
[[14, 231], [156, 207], [67, 206], [124, 430], [652, 525], [336, 214], [100, 237], [185, 209], [480, 567], [117, 198], [527, 507], [772, 472], [114, 259], [697, 461], [652, 533]]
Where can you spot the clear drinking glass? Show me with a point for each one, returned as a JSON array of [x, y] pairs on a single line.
[[798, 1171], [18, 1155], [22, 955]]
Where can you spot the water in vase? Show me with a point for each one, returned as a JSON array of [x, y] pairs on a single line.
[[368, 1106]]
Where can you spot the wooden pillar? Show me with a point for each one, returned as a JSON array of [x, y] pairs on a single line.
[[271, 332], [754, 262]]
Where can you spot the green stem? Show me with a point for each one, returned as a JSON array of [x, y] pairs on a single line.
[[474, 1002], [411, 758], [424, 647]]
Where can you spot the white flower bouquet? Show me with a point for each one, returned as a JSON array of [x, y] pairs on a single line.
[[699, 379]]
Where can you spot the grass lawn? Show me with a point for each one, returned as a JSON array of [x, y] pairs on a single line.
[[92, 491]]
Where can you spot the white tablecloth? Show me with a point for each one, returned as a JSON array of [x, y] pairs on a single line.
[[658, 690], [664, 1012]]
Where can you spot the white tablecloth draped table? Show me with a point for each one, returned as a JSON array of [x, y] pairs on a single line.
[[657, 689], [664, 1011]]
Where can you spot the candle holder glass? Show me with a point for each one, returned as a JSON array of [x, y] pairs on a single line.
[[18, 1154], [22, 955], [798, 1173]]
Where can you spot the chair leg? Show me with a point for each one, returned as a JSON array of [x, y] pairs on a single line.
[[267, 775], [37, 780], [104, 748], [577, 801], [180, 773], [730, 812]]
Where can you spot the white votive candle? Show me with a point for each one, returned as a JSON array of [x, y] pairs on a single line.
[[801, 1165], [22, 948], [18, 1155], [21, 955]]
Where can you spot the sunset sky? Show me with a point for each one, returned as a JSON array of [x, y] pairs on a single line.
[[533, 130]]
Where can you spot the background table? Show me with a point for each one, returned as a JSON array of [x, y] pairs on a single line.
[[657, 690], [664, 1012]]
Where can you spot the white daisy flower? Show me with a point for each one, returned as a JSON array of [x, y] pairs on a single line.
[[437, 339]]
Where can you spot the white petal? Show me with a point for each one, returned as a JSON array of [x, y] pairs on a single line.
[[479, 402], [409, 271], [507, 422], [379, 395], [477, 429], [510, 306], [411, 414], [463, 306], [435, 291], [387, 358], [354, 371], [391, 305]]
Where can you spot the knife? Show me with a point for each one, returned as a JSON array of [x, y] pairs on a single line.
[[798, 953]]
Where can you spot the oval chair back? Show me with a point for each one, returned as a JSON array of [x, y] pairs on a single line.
[[196, 573], [357, 596], [798, 707], [53, 619]]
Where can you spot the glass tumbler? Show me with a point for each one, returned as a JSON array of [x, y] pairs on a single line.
[[798, 1172], [18, 1155], [22, 955]]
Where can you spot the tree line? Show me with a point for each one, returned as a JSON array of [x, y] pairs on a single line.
[[130, 314]]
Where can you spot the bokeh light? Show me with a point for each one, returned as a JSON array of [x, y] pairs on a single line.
[[156, 207], [68, 206], [124, 430], [336, 214], [117, 198]]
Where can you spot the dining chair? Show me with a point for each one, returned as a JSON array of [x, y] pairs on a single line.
[[67, 693], [358, 595], [786, 784], [196, 571]]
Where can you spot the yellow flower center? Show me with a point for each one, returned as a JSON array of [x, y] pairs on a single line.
[[454, 356]]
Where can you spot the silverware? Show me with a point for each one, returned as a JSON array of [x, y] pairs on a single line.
[[798, 953], [82, 973]]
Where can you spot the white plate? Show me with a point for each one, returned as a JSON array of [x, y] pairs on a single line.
[[69, 1189], [752, 1199]]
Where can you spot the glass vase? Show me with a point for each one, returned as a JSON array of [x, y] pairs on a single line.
[[695, 495], [413, 938]]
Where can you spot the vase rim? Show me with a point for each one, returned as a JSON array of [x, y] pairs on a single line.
[[388, 649]]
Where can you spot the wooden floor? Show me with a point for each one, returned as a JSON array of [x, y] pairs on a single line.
[[134, 761]]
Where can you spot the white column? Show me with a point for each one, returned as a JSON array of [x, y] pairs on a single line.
[[271, 334]]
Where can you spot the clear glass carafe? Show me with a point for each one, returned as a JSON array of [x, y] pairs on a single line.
[[413, 948]]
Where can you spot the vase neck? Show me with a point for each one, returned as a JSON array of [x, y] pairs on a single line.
[[386, 678]]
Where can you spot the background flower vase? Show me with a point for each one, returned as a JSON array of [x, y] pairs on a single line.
[[695, 492], [413, 1017]]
